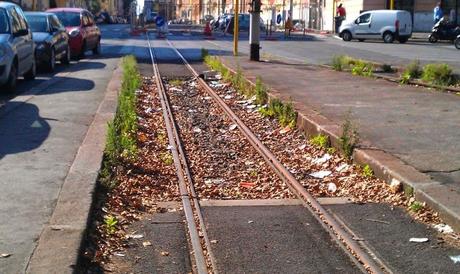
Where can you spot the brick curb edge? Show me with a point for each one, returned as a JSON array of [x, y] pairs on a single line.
[[385, 166], [59, 245]]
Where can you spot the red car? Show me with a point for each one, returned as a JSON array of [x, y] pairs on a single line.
[[83, 33]]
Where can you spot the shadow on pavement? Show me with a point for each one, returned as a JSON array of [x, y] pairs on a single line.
[[22, 130]]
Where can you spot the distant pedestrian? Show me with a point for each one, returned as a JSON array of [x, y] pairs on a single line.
[[341, 14], [437, 13], [341, 11]]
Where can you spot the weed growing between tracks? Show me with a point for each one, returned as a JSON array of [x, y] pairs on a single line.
[[143, 178]]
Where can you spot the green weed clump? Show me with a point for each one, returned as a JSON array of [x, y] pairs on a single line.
[[285, 113], [121, 134], [416, 206], [261, 92], [320, 141], [362, 68], [110, 223], [204, 53], [367, 171], [412, 71], [438, 74], [341, 62], [349, 138]]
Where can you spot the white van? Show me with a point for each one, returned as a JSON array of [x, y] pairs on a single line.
[[379, 24]]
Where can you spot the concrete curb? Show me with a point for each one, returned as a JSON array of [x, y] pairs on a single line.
[[59, 245], [385, 166]]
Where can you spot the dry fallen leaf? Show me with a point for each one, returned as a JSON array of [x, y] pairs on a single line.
[[146, 243], [164, 253], [214, 241]]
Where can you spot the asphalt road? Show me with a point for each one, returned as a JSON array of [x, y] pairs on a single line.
[[41, 128], [319, 49]]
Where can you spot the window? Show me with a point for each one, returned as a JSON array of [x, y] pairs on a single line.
[[54, 21], [69, 19], [4, 24], [22, 19], [364, 19], [85, 20], [15, 24], [38, 23]]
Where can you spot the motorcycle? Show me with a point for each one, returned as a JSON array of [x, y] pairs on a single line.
[[444, 30], [457, 42]]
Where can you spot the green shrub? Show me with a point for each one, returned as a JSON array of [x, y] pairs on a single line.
[[341, 62], [416, 206], [412, 71], [121, 133], [261, 92], [349, 138], [438, 74], [362, 68], [320, 141], [285, 113], [367, 171], [204, 53]]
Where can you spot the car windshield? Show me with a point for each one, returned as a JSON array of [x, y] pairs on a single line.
[[4, 26], [38, 23], [69, 19]]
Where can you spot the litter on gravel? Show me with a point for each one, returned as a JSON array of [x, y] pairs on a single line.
[[443, 228], [321, 174], [418, 240]]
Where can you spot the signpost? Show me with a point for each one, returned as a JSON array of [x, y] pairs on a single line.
[[235, 28], [254, 30]]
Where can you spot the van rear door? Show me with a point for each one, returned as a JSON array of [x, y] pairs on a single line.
[[405, 23]]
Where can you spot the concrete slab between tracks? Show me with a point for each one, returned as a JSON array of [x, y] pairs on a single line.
[[60, 242], [396, 150], [272, 239]]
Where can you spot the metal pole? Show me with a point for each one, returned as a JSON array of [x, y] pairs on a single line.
[[254, 31], [235, 29], [392, 4]]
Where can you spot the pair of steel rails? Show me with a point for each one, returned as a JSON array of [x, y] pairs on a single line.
[[362, 256]]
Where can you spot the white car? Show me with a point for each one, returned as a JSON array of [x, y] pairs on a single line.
[[17, 49], [388, 25]]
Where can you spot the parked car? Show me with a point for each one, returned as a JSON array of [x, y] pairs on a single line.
[[51, 39], [16, 46], [379, 24], [83, 33], [244, 20], [457, 42]]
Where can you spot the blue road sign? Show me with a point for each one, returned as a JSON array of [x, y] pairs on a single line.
[[159, 21], [278, 18]]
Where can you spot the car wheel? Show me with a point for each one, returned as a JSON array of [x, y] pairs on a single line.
[[402, 40], [30, 75], [51, 61], [433, 38], [97, 49], [66, 59], [346, 36], [457, 43], [361, 40], [10, 85], [388, 37]]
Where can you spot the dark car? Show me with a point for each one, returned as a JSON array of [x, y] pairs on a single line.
[[51, 39], [83, 33]]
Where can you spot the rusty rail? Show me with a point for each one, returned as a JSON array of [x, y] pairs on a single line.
[[320, 213]]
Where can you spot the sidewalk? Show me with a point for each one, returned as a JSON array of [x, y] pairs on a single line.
[[408, 133]]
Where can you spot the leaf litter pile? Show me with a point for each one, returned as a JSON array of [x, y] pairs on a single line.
[[324, 173], [223, 163]]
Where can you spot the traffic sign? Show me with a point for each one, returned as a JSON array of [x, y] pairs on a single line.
[[159, 21]]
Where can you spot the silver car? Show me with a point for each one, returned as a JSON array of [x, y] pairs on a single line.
[[16, 47]]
